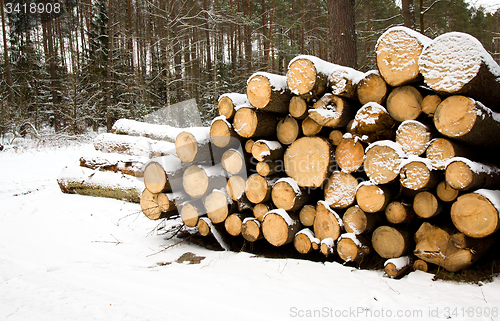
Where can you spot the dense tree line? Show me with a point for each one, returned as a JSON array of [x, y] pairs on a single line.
[[100, 60]]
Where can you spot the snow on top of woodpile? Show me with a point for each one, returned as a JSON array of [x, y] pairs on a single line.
[[482, 111], [365, 114], [492, 195], [307, 232], [170, 163], [278, 82], [327, 206], [352, 237], [137, 146], [236, 98], [414, 158], [293, 184], [388, 143], [341, 75], [411, 34], [222, 118], [474, 166], [452, 60], [281, 212], [322, 66], [101, 178], [330, 242], [399, 262], [155, 131]]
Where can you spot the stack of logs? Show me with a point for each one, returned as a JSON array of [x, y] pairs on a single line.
[[397, 162]]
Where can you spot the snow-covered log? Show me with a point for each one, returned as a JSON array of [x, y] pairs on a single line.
[[269, 92], [391, 242], [332, 111], [305, 242], [249, 123], [350, 154], [343, 82], [192, 149], [288, 195], [457, 63], [199, 180], [153, 131], [327, 223], [258, 188], [251, 229], [132, 145], [464, 174], [398, 50], [114, 162], [219, 205], [372, 88], [382, 161], [414, 137], [477, 214], [340, 190], [372, 122], [398, 267], [229, 103], [356, 221], [352, 248], [266, 150], [84, 181], [158, 205], [307, 76], [279, 227]]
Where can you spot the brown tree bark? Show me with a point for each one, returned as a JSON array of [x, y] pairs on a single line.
[[341, 24]]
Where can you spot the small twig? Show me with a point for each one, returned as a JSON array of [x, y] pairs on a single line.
[[171, 245], [114, 242]]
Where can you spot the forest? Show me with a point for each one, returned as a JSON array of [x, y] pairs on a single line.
[[97, 61]]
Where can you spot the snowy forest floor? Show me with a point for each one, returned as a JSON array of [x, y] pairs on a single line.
[[73, 257]]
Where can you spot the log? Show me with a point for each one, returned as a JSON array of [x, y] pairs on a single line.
[[227, 104], [114, 162], [382, 161], [222, 133], [199, 180], [420, 265], [288, 130], [414, 137], [251, 230], [327, 223], [84, 181], [441, 150], [258, 188], [343, 82], [468, 121], [157, 206], [476, 214], [307, 215], [279, 227], [398, 212], [445, 192], [417, 174], [404, 103], [372, 88], [234, 223], [430, 103], [391, 242], [131, 145], [463, 174], [358, 222], [270, 168], [372, 123], [261, 209], [305, 242], [219, 206], [131, 127], [340, 190], [234, 162], [310, 127], [332, 111], [350, 154], [235, 187], [248, 145], [250, 123], [288, 195], [450, 250], [163, 174], [352, 248], [398, 50], [373, 198], [205, 228], [398, 267], [328, 247], [192, 149], [336, 137], [307, 76], [308, 161], [427, 205], [266, 150], [457, 63], [269, 92], [298, 107], [191, 211], [244, 204]]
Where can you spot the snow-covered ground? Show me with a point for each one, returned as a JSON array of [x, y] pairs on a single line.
[[71, 257]]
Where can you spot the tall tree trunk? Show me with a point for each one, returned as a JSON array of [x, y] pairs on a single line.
[[265, 37], [109, 65], [248, 35], [52, 69], [130, 37], [408, 13], [8, 77], [341, 22], [421, 16]]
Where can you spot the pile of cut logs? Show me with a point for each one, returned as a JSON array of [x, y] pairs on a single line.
[[397, 162]]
